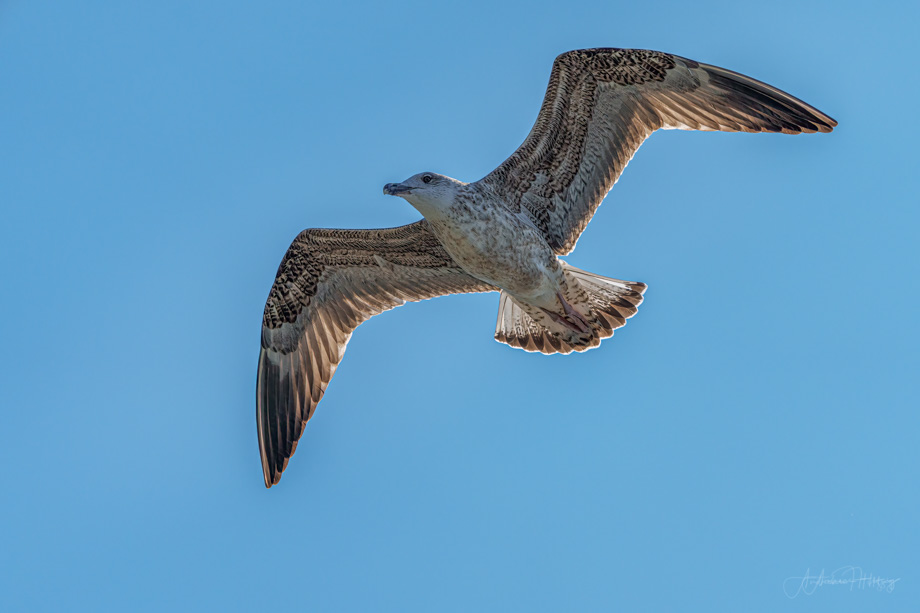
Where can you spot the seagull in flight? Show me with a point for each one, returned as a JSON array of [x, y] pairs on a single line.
[[503, 233]]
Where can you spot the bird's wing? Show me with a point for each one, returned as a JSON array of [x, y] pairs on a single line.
[[601, 104], [328, 283]]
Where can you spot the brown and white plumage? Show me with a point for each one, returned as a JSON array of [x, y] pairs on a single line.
[[328, 283], [504, 232], [601, 105]]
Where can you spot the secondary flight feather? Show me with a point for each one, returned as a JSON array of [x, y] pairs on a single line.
[[502, 233]]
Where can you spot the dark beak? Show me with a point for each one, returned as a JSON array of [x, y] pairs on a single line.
[[396, 189]]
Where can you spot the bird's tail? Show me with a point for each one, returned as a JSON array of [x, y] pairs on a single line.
[[602, 306]]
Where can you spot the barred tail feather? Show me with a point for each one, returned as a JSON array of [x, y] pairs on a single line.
[[516, 327], [607, 304]]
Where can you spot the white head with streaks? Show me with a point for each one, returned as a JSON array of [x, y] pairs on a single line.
[[432, 194]]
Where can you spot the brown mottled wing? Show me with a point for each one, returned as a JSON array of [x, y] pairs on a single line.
[[601, 104], [328, 283]]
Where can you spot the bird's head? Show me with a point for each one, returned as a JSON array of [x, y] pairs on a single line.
[[428, 192]]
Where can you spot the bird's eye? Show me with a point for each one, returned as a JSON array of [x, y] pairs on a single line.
[[426, 179]]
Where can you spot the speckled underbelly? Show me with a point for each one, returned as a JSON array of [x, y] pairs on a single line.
[[501, 249]]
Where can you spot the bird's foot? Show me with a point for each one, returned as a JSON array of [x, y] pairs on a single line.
[[573, 320]]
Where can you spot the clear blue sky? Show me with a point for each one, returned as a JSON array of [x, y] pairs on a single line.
[[756, 420]]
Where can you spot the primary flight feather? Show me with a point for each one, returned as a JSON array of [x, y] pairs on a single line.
[[502, 233]]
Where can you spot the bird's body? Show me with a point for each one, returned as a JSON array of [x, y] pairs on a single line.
[[492, 243], [504, 232]]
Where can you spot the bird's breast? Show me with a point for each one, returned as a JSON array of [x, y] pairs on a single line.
[[498, 247]]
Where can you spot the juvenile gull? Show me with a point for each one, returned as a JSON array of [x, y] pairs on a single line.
[[502, 233]]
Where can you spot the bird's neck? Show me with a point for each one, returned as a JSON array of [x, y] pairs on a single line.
[[433, 209]]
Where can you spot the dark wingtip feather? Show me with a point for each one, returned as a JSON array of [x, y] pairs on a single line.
[[792, 115], [263, 402]]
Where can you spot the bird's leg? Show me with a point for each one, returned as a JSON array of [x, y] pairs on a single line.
[[573, 315], [573, 320]]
